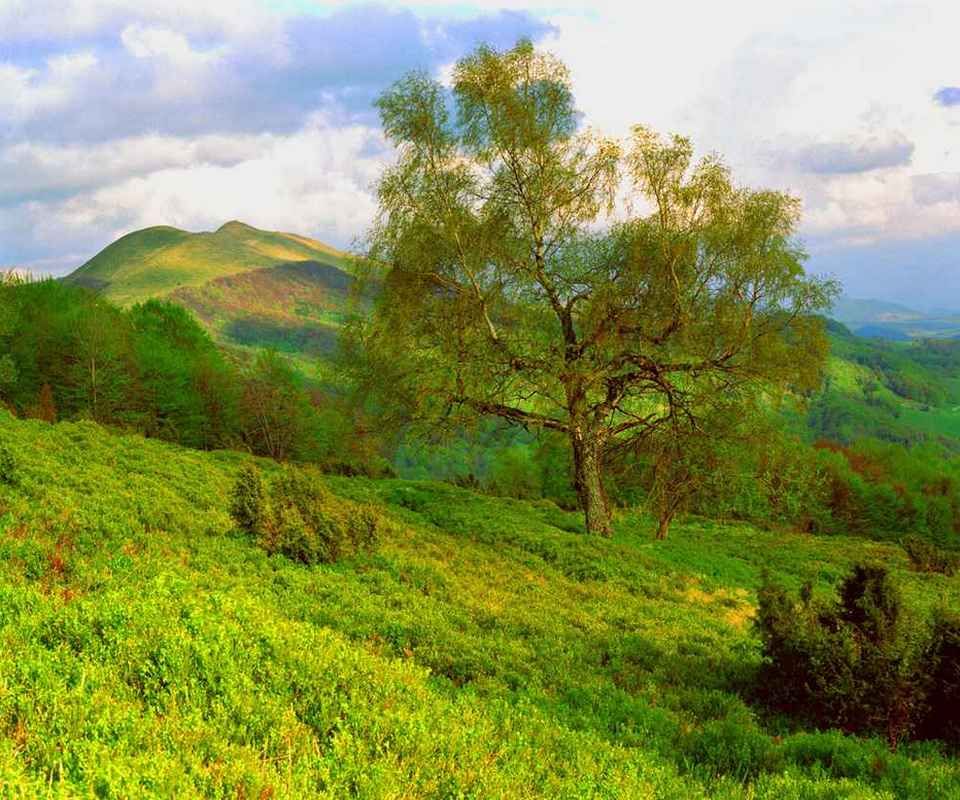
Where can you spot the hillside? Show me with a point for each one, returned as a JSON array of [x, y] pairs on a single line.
[[882, 320], [294, 307], [486, 650], [902, 392], [159, 260]]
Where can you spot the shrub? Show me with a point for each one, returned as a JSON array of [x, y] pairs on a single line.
[[731, 747], [927, 557], [838, 755], [8, 466], [297, 516], [246, 500], [845, 663], [943, 720]]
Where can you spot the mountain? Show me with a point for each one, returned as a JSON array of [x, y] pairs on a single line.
[[853, 311], [160, 260], [883, 320]]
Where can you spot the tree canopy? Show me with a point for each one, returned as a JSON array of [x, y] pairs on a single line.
[[537, 271]]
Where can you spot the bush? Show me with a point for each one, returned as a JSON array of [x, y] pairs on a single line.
[[838, 755], [943, 721], [731, 747], [246, 500], [297, 516], [8, 466], [846, 663], [927, 557]]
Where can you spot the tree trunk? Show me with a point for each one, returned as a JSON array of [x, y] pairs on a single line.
[[663, 526], [587, 462]]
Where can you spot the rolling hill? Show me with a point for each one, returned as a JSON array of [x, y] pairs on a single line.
[[485, 650], [882, 320], [160, 260]]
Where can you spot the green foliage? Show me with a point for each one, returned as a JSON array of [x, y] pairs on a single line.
[[503, 295], [247, 500], [730, 747], [927, 557], [275, 412], [482, 651], [853, 663], [154, 369], [943, 719], [297, 516], [8, 465]]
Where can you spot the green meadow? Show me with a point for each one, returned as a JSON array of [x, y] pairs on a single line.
[[486, 649]]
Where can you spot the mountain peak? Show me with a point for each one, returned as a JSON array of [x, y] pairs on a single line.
[[235, 226]]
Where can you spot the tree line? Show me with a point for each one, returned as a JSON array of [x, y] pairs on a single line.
[[70, 354]]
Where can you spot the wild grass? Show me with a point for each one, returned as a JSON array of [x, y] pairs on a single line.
[[487, 649]]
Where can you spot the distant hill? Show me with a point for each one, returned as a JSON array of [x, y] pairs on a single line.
[[882, 320], [160, 260], [854, 312]]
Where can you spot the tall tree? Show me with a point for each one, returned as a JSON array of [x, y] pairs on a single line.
[[511, 285], [275, 413]]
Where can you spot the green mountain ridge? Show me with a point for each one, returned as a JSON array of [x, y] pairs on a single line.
[[156, 261]]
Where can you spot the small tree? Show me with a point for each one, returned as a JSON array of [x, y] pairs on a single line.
[[46, 407], [504, 294], [275, 412]]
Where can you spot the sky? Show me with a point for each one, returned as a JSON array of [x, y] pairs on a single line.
[[121, 114]]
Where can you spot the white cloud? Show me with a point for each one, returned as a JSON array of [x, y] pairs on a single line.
[[832, 101], [27, 91], [316, 181], [36, 169]]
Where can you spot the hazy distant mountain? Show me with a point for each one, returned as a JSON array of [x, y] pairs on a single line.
[[885, 320]]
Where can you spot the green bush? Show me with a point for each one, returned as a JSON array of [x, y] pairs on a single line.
[[729, 747], [247, 501], [846, 663], [8, 466], [837, 755], [927, 557], [297, 516]]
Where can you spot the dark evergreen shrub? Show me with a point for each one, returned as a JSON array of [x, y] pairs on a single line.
[[943, 719], [847, 663]]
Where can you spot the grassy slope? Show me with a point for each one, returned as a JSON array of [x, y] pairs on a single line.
[[485, 651], [295, 308], [156, 261], [846, 376]]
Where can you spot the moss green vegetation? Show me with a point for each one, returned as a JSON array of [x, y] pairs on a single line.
[[156, 261], [151, 649]]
